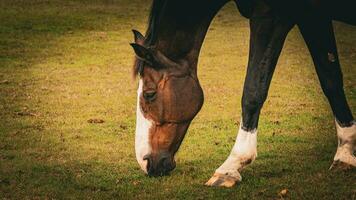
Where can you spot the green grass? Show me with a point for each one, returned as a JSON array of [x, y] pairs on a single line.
[[63, 62]]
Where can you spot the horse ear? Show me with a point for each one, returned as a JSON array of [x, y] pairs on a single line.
[[139, 38], [143, 53], [154, 58]]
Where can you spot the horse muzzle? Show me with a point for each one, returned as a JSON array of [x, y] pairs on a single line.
[[159, 165]]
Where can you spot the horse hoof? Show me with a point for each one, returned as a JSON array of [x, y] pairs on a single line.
[[221, 180], [339, 165]]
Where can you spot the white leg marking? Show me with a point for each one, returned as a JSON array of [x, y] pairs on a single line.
[[243, 153], [143, 125], [347, 144]]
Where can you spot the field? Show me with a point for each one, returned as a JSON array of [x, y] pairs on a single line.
[[64, 62]]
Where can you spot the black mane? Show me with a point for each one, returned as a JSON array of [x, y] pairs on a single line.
[[151, 35], [153, 20]]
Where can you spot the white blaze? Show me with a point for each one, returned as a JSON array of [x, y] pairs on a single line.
[[243, 153], [347, 144], [143, 125]]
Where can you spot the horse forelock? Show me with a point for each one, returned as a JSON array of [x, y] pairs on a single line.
[[138, 68]]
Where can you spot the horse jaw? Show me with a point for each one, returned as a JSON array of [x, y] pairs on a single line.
[[143, 125]]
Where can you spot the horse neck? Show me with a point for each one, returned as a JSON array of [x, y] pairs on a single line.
[[182, 27]]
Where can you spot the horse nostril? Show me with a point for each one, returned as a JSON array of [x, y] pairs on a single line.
[[148, 159], [149, 96]]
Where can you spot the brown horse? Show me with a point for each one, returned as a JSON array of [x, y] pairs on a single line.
[[169, 94]]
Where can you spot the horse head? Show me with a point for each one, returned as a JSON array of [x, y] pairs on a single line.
[[168, 98]]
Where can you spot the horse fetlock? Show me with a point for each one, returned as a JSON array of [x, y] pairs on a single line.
[[248, 160], [346, 146], [346, 134], [235, 164], [243, 153]]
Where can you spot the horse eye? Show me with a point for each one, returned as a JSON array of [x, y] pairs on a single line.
[[150, 95]]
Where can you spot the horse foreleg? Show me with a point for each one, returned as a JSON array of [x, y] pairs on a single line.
[[320, 39], [266, 42]]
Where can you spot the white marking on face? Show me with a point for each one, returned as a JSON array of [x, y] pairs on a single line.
[[346, 144], [143, 125], [243, 153]]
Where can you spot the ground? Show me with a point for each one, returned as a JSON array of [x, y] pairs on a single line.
[[64, 62]]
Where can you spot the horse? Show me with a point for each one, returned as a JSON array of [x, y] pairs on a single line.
[[169, 94]]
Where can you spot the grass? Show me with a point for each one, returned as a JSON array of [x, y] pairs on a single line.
[[63, 62]]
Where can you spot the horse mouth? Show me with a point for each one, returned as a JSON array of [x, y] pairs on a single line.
[[162, 167]]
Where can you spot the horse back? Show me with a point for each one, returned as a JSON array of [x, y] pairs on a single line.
[[341, 10]]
